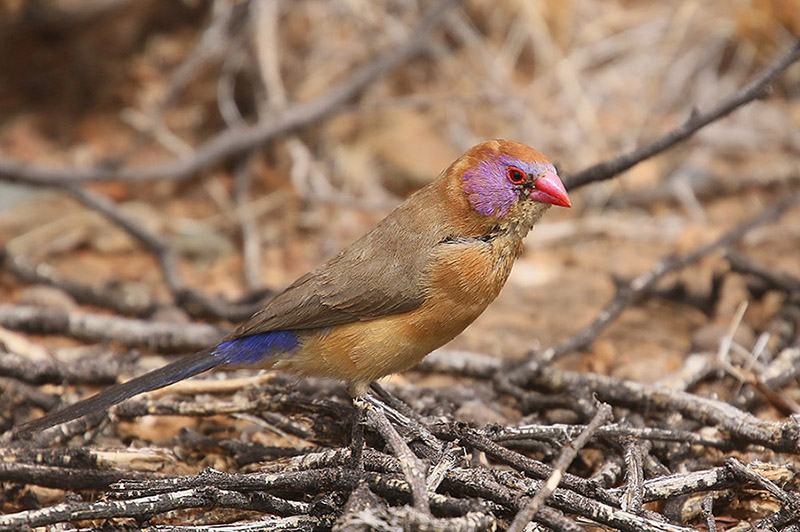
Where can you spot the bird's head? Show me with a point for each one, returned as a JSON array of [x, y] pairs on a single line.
[[509, 183]]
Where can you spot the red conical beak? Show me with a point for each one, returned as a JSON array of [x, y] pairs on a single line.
[[550, 189]]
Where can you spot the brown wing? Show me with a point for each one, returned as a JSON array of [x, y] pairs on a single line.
[[384, 272]]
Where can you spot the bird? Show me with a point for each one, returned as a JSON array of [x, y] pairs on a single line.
[[408, 286]]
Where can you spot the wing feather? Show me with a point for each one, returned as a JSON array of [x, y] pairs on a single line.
[[384, 272]]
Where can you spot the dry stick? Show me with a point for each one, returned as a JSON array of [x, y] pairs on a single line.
[[408, 418], [634, 475], [59, 477], [198, 497], [473, 438], [557, 431], [413, 468], [507, 487], [193, 301], [568, 454], [242, 138], [758, 88], [740, 263], [633, 290], [158, 336], [669, 486], [270, 524], [744, 473], [705, 190], [707, 507], [310, 482], [743, 425], [716, 479], [166, 254]]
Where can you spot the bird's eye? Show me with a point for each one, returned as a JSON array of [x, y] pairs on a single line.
[[515, 175]]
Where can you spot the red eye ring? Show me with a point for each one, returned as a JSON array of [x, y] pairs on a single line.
[[515, 175]]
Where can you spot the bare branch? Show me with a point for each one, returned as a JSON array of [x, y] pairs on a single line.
[[758, 88]]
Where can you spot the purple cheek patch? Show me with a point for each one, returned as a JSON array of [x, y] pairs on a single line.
[[487, 188]]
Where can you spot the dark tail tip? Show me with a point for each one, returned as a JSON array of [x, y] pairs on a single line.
[[182, 368]]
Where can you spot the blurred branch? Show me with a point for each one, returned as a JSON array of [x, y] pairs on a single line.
[[635, 289], [211, 44], [705, 189], [784, 282], [97, 327], [112, 297], [193, 301], [756, 89], [241, 138]]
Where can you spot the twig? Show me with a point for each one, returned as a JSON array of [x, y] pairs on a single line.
[[58, 477], [744, 473], [568, 454], [525, 464], [199, 497], [165, 253], [88, 369], [194, 302], [413, 468], [708, 512], [758, 88], [613, 431], [740, 263], [269, 524], [495, 486], [706, 189], [634, 476]]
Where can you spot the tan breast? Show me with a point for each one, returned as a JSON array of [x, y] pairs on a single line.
[[464, 278]]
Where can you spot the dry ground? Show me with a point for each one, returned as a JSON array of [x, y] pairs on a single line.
[[132, 85]]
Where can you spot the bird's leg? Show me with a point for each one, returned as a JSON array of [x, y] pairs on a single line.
[[357, 433], [413, 468]]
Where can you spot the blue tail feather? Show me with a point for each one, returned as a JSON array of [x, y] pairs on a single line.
[[255, 347], [244, 350]]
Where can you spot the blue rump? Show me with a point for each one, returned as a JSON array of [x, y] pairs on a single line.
[[251, 349]]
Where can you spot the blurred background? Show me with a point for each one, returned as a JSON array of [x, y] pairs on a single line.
[[120, 85]]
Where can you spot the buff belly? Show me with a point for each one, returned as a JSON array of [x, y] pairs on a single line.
[[361, 352]]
